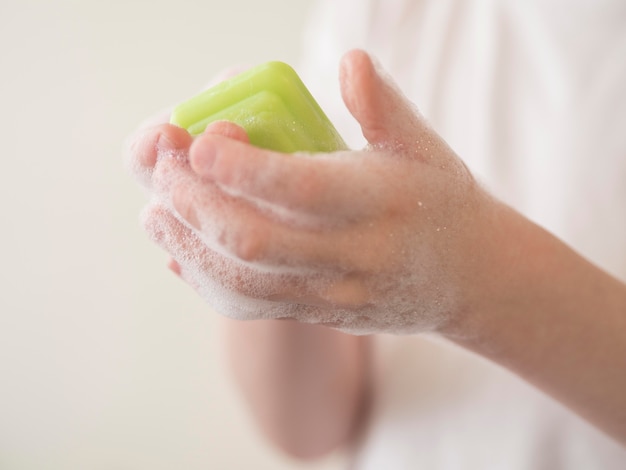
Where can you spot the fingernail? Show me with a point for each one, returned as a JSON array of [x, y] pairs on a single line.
[[174, 267]]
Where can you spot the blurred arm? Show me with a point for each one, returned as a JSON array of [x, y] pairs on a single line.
[[306, 385]]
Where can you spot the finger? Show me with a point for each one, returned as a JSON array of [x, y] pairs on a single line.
[[171, 144], [322, 184], [236, 229], [240, 230], [144, 148], [386, 116], [239, 290], [155, 131], [228, 129]]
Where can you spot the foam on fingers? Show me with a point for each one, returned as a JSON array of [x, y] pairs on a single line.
[[144, 148], [232, 288], [243, 231]]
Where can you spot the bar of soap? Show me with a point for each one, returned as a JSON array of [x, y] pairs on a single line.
[[271, 103]]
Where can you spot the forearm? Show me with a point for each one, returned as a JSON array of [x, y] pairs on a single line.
[[305, 384], [555, 319]]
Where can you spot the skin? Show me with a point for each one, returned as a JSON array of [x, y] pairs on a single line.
[[395, 238]]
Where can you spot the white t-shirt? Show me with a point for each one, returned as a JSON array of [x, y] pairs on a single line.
[[532, 95]]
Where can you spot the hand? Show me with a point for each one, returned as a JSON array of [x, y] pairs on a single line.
[[386, 239]]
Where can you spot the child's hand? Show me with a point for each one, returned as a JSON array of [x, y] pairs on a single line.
[[387, 239]]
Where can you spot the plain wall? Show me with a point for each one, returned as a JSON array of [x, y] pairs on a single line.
[[107, 360]]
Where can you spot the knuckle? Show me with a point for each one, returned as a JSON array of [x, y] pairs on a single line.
[[223, 170], [349, 293], [250, 243]]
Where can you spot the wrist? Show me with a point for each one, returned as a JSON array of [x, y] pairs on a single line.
[[502, 275]]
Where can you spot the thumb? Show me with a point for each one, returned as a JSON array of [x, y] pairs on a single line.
[[386, 116]]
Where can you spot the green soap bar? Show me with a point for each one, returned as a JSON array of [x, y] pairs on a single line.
[[271, 103]]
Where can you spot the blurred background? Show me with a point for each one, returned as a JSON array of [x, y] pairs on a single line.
[[107, 360]]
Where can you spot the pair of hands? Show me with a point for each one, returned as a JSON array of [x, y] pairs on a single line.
[[391, 238]]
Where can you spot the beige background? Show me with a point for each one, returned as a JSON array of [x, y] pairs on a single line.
[[107, 361]]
